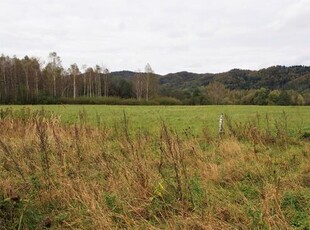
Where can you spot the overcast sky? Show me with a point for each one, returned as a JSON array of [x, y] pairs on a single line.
[[172, 35]]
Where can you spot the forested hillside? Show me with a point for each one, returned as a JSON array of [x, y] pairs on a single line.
[[31, 81], [274, 85], [275, 77]]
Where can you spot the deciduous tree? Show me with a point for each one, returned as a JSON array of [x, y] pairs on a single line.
[[74, 71], [55, 68]]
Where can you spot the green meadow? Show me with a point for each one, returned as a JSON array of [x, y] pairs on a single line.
[[179, 118]]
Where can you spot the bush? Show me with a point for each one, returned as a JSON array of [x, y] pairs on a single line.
[[167, 101], [119, 101]]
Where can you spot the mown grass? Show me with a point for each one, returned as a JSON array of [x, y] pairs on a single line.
[[84, 175]]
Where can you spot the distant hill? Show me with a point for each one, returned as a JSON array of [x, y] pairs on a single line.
[[275, 77], [124, 73]]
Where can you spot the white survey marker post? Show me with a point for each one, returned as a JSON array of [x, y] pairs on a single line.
[[221, 123]]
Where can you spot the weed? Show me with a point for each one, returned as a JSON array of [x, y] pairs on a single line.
[[82, 176]]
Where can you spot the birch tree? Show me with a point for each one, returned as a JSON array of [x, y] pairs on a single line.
[[26, 63], [74, 71], [98, 80], [106, 81], [84, 67], [3, 67], [138, 85], [55, 65], [148, 70]]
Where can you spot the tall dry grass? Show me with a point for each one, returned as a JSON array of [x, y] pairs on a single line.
[[57, 176]]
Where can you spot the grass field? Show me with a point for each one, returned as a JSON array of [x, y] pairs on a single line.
[[91, 167], [178, 117]]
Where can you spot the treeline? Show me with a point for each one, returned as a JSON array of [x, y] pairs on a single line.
[[217, 94], [32, 81]]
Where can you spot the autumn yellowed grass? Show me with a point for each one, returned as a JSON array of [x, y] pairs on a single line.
[[81, 176]]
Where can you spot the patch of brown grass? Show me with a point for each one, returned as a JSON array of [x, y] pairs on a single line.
[[84, 177]]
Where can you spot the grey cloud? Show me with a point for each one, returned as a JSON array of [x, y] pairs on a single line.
[[174, 35]]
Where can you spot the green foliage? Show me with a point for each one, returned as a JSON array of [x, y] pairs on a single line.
[[306, 136], [284, 98], [167, 101], [296, 207], [119, 101], [260, 97], [197, 193], [121, 87], [19, 214], [112, 203], [273, 97]]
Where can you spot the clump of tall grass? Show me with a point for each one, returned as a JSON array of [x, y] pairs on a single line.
[[54, 175], [263, 130]]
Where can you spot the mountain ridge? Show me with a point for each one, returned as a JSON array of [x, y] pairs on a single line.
[[295, 77]]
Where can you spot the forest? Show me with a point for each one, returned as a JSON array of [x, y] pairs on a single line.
[[32, 81]]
